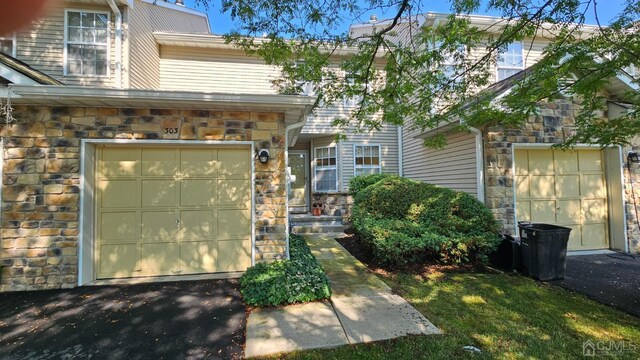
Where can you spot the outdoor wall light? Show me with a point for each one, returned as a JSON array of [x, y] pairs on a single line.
[[633, 157], [263, 156]]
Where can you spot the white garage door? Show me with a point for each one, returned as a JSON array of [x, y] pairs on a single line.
[[566, 188], [170, 211]]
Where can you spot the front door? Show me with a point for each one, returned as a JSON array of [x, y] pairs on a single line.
[[298, 190]]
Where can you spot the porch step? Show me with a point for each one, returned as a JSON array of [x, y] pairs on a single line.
[[309, 224], [317, 229], [306, 218]]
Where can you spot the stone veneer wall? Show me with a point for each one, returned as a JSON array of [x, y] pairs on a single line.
[[632, 198], [336, 204], [40, 177], [554, 123]]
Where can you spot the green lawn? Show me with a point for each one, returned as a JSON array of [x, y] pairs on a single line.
[[507, 316]]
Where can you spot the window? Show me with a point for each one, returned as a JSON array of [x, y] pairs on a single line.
[[367, 159], [451, 66], [86, 43], [8, 44], [353, 100], [326, 171], [510, 61]]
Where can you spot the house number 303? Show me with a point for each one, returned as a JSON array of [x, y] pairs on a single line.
[[170, 130]]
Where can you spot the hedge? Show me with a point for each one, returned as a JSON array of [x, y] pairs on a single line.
[[405, 222], [360, 182], [300, 279]]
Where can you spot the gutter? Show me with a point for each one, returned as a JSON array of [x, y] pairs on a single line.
[[400, 152], [118, 24], [288, 175], [479, 163]]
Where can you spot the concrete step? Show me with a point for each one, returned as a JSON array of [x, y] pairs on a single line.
[[317, 229], [308, 218]]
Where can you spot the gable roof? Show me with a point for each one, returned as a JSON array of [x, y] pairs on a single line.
[[15, 71]]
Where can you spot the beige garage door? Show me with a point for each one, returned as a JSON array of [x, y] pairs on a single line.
[[170, 211], [565, 188]]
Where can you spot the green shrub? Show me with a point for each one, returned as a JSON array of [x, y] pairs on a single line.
[[300, 279], [405, 222], [357, 183]]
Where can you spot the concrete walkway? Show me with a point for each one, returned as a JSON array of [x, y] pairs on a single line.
[[362, 309]]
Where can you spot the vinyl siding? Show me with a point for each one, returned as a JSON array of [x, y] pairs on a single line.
[[453, 167], [42, 45], [214, 70], [144, 68]]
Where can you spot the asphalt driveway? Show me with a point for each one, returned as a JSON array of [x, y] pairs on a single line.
[[177, 320], [612, 279]]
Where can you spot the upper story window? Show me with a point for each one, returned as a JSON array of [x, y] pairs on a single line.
[[86, 43], [8, 44], [367, 159], [510, 61], [326, 169]]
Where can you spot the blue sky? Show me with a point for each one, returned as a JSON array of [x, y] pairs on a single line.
[[222, 23]]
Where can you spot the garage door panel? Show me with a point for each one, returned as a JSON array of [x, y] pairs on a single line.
[[521, 159], [117, 260], [235, 193], [523, 210], [157, 259], [118, 226], [234, 255], [542, 186], [123, 162], [234, 163], [119, 193], [567, 186], [199, 162], [592, 185], [158, 193], [159, 226], [595, 210], [198, 192], [523, 185], [233, 224], [575, 237], [565, 161], [590, 160], [569, 211], [198, 257], [159, 162], [197, 225], [592, 235], [543, 211], [540, 163]]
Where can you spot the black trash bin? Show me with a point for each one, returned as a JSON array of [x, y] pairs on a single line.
[[544, 250], [508, 255]]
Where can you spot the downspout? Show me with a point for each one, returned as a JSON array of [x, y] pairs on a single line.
[[479, 163], [287, 174], [118, 14], [400, 154]]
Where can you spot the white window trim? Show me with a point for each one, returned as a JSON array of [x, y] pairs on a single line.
[[498, 67], [330, 167], [355, 166], [14, 38], [66, 37]]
